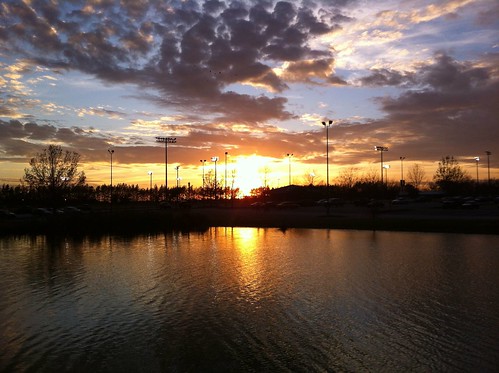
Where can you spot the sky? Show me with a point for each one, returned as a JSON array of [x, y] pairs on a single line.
[[253, 79]]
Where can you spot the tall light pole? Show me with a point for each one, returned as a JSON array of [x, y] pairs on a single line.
[[477, 159], [215, 159], [225, 186], [178, 179], [166, 141], [111, 152], [386, 167], [203, 161], [150, 184], [289, 155], [488, 166], [381, 149], [402, 181], [327, 125]]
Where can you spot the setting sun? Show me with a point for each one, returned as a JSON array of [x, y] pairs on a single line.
[[253, 172]]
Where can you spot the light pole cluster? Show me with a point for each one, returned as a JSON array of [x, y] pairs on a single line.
[[488, 165], [225, 186], [215, 159], [203, 161], [166, 141], [381, 149], [477, 159], [402, 181], [386, 167], [111, 152], [327, 124], [289, 155]]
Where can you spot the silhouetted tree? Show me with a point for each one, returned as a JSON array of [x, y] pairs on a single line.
[[371, 176], [54, 171], [347, 178], [416, 175], [450, 177], [310, 177]]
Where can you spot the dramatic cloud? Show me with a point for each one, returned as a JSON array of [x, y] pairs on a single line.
[[250, 77], [188, 52]]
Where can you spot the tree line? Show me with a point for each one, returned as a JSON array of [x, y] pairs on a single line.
[[53, 177]]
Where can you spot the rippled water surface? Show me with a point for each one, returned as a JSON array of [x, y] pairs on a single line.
[[245, 299]]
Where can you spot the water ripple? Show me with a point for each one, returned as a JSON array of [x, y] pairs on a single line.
[[251, 300]]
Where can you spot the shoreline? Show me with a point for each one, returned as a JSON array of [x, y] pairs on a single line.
[[126, 220]]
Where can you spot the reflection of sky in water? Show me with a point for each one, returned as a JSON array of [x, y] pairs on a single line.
[[259, 297]]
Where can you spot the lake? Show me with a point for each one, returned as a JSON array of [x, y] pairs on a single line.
[[250, 300]]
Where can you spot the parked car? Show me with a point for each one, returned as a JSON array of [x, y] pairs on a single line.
[[331, 202], [6, 214], [470, 204], [375, 204], [287, 205], [400, 201], [451, 202], [43, 211], [72, 210], [257, 205]]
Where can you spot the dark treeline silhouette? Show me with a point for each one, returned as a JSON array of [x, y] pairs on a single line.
[[53, 180], [124, 193], [118, 193]]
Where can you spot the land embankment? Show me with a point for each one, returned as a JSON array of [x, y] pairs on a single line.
[[430, 217]]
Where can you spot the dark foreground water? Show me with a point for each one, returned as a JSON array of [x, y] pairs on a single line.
[[246, 299]]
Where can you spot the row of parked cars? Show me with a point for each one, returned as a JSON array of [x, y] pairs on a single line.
[[293, 204], [467, 202], [26, 212]]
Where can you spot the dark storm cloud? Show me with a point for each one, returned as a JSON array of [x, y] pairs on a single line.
[[23, 140], [386, 77], [450, 108], [454, 108], [188, 51], [445, 74]]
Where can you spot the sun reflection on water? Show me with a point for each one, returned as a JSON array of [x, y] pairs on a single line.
[[249, 263]]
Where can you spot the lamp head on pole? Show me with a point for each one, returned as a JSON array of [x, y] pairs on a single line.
[[381, 148], [166, 140], [214, 159]]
